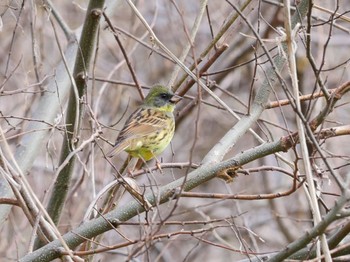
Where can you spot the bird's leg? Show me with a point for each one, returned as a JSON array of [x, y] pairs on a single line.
[[140, 163], [132, 166]]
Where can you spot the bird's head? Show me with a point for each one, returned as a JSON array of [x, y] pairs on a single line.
[[161, 97]]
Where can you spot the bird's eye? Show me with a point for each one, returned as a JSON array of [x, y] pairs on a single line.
[[164, 96]]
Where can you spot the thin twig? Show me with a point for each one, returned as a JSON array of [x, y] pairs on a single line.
[[131, 69]]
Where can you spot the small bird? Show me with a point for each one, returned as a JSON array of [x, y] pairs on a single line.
[[149, 130]]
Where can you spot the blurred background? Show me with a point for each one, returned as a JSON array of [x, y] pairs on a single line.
[[223, 230]]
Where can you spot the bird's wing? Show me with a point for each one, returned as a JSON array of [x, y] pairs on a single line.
[[141, 123]]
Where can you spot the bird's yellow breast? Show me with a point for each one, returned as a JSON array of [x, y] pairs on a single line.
[[149, 146]]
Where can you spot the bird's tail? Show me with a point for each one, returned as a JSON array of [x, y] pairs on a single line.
[[117, 149]]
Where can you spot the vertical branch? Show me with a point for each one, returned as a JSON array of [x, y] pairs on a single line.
[[291, 49], [75, 106]]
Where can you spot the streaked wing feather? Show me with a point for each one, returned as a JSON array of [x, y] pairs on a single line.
[[142, 122]]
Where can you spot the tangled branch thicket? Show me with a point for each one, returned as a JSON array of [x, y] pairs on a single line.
[[260, 157]]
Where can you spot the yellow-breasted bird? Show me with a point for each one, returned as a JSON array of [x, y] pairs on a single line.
[[149, 130]]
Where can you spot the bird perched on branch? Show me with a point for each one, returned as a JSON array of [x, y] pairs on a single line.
[[149, 130]]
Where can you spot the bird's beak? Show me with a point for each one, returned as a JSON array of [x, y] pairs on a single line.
[[175, 99]]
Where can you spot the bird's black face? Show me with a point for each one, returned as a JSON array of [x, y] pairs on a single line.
[[163, 99]]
